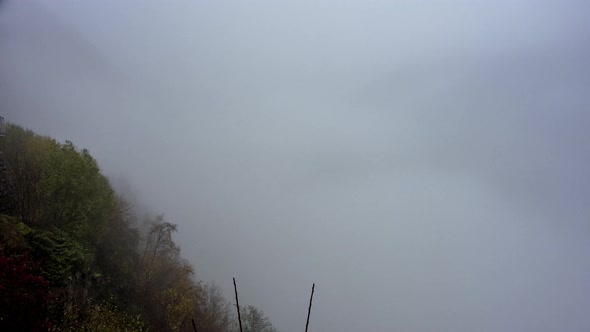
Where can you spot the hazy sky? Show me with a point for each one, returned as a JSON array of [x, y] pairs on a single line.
[[426, 163]]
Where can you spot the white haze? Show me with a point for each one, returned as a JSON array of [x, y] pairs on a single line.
[[424, 163]]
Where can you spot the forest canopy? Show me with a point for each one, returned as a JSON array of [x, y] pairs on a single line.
[[74, 256]]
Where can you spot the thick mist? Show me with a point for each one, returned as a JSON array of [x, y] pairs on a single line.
[[424, 163]]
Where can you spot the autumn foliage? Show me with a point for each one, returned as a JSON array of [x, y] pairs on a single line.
[[24, 294]]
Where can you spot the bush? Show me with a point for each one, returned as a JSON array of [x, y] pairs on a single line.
[[24, 294]]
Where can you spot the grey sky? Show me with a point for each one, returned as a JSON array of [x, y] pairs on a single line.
[[424, 162]]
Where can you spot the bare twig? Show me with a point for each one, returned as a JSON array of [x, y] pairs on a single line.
[[194, 327], [238, 304], [309, 309]]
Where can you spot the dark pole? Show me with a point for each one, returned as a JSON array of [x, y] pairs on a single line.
[[238, 304], [309, 310]]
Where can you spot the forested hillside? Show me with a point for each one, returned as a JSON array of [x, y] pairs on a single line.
[[74, 255]]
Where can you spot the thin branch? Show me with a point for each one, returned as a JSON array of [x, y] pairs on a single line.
[[309, 309], [238, 305], [194, 327]]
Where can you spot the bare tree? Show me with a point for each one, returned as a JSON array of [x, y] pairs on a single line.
[[213, 311]]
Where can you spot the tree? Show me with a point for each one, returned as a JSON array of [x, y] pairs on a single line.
[[81, 197], [24, 153], [254, 320], [168, 292], [213, 313], [117, 258], [54, 185]]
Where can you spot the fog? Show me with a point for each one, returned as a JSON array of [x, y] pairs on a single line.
[[424, 163]]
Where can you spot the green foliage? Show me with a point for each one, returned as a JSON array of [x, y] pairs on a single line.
[[90, 268], [61, 255], [24, 153], [82, 197], [13, 232], [117, 258], [54, 184]]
